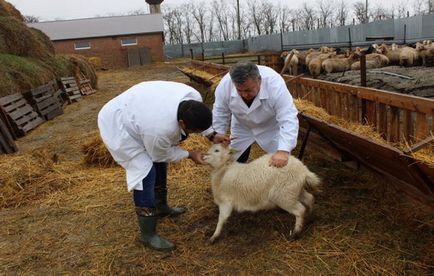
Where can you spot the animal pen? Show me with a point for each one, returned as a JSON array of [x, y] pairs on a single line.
[[388, 132]]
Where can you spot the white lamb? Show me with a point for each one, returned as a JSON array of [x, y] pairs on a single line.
[[257, 186]]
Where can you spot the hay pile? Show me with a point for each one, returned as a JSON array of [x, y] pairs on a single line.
[[27, 57], [96, 154], [7, 9], [28, 177]]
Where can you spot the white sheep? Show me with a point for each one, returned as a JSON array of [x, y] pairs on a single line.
[[258, 186]]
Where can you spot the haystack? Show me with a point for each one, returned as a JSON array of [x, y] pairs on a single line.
[[27, 57], [82, 64], [18, 39], [7, 9]]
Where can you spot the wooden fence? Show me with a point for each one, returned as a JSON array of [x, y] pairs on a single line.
[[396, 117]]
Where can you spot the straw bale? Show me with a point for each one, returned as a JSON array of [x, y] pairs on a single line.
[[30, 176], [83, 65], [18, 39], [96, 154], [96, 62], [7, 9]]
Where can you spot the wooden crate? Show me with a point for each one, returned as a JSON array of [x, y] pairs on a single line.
[[85, 86], [20, 113], [45, 101], [7, 144], [71, 89]]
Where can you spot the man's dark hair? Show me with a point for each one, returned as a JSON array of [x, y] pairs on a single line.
[[242, 71], [196, 115]]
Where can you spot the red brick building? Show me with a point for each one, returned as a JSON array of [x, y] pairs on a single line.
[[119, 41]]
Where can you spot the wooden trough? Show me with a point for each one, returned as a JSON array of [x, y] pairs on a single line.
[[396, 117]]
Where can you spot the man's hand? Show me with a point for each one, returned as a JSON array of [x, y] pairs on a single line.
[[197, 157], [221, 139], [279, 159]]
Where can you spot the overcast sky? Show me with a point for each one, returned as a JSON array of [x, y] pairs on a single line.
[[71, 9]]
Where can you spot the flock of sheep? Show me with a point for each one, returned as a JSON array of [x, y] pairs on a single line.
[[330, 60]]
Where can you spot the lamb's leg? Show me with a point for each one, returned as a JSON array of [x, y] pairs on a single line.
[[307, 199], [299, 211], [225, 210]]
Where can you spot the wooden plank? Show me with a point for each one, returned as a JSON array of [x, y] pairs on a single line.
[[407, 128], [8, 143], [52, 114], [393, 124], [10, 98], [15, 105], [32, 124], [371, 116], [382, 119], [20, 112], [421, 126]]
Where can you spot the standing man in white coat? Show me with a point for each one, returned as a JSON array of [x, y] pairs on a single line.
[[141, 128], [255, 102]]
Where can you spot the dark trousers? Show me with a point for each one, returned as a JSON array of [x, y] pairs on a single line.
[[146, 197], [245, 156], [154, 187]]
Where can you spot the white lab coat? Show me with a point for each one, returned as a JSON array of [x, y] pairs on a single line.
[[271, 120], [140, 127]]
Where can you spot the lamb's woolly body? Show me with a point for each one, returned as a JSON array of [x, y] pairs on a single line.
[[257, 186]]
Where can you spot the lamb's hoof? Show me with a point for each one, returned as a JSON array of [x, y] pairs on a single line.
[[212, 240], [294, 235]]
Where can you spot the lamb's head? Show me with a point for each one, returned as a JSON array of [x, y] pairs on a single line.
[[218, 155]]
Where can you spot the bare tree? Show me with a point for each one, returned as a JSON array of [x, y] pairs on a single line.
[[342, 13], [417, 7], [400, 9], [308, 17], [270, 16], [430, 6], [221, 12], [325, 12], [169, 24], [284, 18], [360, 12], [187, 26], [199, 13], [380, 13], [257, 17], [31, 19]]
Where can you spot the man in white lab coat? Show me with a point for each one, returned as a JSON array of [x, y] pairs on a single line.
[[141, 128], [257, 105]]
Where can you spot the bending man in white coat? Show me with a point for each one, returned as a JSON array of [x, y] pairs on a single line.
[[141, 128], [255, 102]]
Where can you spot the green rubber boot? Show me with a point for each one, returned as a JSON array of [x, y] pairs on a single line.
[[163, 210], [148, 235]]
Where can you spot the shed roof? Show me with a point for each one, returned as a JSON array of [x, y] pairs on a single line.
[[101, 26]]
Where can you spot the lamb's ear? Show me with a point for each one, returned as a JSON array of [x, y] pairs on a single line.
[[233, 151]]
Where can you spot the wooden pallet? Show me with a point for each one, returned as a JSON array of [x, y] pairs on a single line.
[[20, 113], [45, 101], [71, 89], [7, 144], [85, 86]]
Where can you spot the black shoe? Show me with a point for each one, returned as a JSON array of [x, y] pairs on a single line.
[[148, 235]]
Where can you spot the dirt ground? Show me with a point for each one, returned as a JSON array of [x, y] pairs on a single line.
[[362, 226], [417, 80]]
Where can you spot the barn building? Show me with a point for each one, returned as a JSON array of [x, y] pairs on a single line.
[[117, 41]]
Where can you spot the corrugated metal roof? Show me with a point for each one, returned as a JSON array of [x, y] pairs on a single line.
[[101, 26]]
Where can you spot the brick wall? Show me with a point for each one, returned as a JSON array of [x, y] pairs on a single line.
[[109, 49]]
